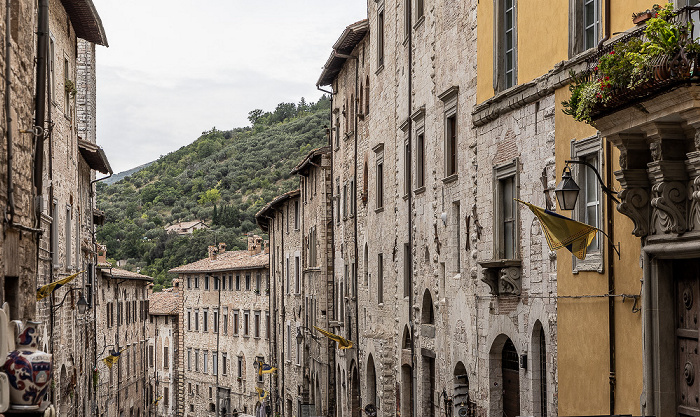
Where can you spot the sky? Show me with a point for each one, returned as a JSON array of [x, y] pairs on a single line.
[[177, 68]]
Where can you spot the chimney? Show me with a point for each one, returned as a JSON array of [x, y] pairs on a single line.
[[222, 247], [213, 251], [267, 247], [101, 253]]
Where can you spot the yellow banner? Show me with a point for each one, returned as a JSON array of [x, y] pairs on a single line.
[[46, 290], [112, 359], [343, 343]]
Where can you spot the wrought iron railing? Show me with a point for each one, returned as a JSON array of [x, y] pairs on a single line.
[[661, 73]]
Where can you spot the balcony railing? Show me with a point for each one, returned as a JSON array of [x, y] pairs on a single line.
[[656, 57]]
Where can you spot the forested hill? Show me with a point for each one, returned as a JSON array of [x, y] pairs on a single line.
[[222, 178]]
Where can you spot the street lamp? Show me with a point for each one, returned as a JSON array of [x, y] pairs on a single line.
[[82, 303], [567, 190]]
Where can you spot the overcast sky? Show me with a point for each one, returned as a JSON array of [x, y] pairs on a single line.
[[177, 68]]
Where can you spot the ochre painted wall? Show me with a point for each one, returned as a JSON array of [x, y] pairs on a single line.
[[582, 323], [543, 37]]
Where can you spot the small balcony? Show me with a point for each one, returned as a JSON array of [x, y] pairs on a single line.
[[656, 57]]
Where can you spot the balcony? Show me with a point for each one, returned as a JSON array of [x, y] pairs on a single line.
[[646, 61]]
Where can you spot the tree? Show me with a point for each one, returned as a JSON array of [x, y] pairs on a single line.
[[210, 196], [254, 116]]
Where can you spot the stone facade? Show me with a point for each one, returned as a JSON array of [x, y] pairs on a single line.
[[225, 328], [121, 314], [164, 341]]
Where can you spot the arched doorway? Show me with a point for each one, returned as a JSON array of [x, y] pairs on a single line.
[[371, 382], [460, 396], [511, 380], [539, 370], [355, 393], [427, 316]]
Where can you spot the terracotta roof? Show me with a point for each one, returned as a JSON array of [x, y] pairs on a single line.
[[271, 206], [226, 261], [185, 225], [351, 36], [86, 22], [309, 159], [164, 303], [118, 273]]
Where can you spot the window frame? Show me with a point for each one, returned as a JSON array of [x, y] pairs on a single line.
[[501, 172], [499, 34], [582, 149], [577, 26]]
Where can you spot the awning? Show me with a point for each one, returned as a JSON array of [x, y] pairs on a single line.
[[94, 156]]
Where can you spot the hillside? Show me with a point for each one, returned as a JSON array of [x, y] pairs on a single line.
[[222, 178], [121, 175]]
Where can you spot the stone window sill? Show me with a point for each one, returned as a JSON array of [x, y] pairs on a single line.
[[450, 178]]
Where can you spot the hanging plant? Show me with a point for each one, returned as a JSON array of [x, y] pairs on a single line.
[[70, 88]]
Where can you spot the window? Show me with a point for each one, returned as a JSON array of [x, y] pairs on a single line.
[[380, 37], [235, 322], [247, 282], [151, 353], [289, 342], [407, 167], [407, 270], [296, 214], [267, 325], [189, 359], [230, 282], [420, 159], [240, 367], [216, 321], [196, 281], [205, 320], [166, 358], [506, 52], [257, 282], [379, 150], [189, 319], [224, 319], [196, 360], [196, 320], [457, 236], [223, 282], [66, 95], [584, 25], [289, 274], [380, 278], [216, 283], [299, 349], [256, 325], [297, 274], [69, 238], [223, 363], [189, 282], [246, 323], [215, 363], [206, 282], [407, 18], [205, 357], [312, 247], [52, 65], [166, 396], [54, 234], [419, 10], [345, 200], [505, 210], [589, 207]]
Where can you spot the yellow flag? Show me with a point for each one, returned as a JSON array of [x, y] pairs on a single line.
[[46, 290], [262, 394], [157, 400], [112, 359], [343, 343], [562, 232], [264, 368]]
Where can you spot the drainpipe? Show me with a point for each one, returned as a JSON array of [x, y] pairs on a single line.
[[282, 363], [409, 212], [354, 210], [40, 105], [606, 24], [611, 278], [10, 210], [648, 349]]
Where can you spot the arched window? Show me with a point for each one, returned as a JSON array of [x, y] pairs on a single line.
[[539, 370], [371, 382], [427, 316], [361, 101], [407, 342], [460, 396]]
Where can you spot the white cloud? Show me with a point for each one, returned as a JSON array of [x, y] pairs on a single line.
[[177, 68]]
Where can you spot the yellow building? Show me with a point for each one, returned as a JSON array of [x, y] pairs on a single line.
[[525, 54]]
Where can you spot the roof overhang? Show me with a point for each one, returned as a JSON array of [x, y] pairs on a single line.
[[86, 22], [343, 47], [265, 212], [94, 156], [309, 160]]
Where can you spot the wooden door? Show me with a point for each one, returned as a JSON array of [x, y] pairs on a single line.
[[511, 380], [687, 283]]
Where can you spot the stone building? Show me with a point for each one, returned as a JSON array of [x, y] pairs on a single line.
[[164, 339], [226, 329], [121, 315], [47, 198]]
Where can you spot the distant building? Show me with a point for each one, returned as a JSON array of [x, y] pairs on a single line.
[[164, 339], [186, 228], [226, 329]]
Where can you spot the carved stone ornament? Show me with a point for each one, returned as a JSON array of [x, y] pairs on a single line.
[[623, 158], [655, 148], [634, 203], [491, 279], [694, 195], [697, 139], [509, 282], [669, 207]]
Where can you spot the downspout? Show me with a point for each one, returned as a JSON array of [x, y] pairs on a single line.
[[355, 279], [282, 368], [40, 105], [409, 212], [218, 335], [330, 292], [647, 349], [611, 278], [271, 308], [10, 210], [606, 23]]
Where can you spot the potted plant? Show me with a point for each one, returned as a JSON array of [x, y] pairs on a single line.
[[69, 86], [641, 17]]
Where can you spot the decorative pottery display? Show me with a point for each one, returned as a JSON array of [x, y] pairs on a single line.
[[27, 368]]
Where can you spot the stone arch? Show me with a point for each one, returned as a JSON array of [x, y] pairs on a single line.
[[427, 315], [371, 381], [460, 393], [355, 392], [406, 340], [538, 355], [504, 377]]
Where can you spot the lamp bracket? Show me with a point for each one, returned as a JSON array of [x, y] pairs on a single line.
[[610, 192]]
